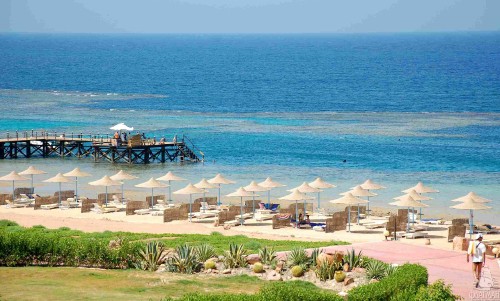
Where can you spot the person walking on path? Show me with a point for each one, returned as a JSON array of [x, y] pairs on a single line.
[[477, 250]]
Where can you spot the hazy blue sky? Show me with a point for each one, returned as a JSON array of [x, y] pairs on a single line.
[[248, 16]]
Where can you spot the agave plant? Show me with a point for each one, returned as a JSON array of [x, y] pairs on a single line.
[[298, 256], [352, 259], [204, 252], [267, 256], [152, 256], [184, 260], [376, 269], [235, 257], [389, 270]]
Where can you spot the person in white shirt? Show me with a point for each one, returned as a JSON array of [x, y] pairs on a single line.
[[477, 250]]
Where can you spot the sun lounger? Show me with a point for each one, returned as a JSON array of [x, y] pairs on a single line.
[[49, 206], [414, 235], [15, 204], [432, 221], [142, 211], [375, 225]]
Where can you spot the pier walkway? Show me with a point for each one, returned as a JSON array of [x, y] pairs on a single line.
[[14, 145]]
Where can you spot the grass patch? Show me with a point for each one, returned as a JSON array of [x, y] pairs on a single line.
[[216, 239], [89, 284]]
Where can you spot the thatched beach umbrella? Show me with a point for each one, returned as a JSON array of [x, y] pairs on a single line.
[[319, 183], [77, 173], [170, 177], [408, 201], [189, 189], [32, 171], [469, 203], [59, 178], [122, 176], [241, 193], [269, 183], [220, 180], [296, 196], [420, 188], [306, 188], [13, 176], [106, 182], [370, 185], [151, 183], [472, 196], [203, 184], [254, 187], [349, 200], [360, 192]]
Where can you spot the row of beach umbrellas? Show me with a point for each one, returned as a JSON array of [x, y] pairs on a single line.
[[412, 198]]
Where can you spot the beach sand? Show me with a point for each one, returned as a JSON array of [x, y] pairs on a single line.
[[93, 222]]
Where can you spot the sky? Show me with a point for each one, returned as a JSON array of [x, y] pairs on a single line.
[[248, 16]]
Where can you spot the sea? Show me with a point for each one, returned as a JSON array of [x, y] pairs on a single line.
[[394, 108]]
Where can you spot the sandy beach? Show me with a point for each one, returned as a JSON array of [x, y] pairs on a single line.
[[93, 222]]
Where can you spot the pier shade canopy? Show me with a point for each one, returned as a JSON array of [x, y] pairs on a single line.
[[121, 127]]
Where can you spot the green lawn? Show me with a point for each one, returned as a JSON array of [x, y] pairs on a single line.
[[43, 283]]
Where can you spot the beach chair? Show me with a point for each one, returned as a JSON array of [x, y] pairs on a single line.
[[142, 211], [11, 204], [375, 225], [49, 206], [414, 235]]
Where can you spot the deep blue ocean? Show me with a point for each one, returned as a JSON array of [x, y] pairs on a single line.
[[397, 108]]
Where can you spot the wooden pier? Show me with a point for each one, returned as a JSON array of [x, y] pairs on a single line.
[[99, 147]]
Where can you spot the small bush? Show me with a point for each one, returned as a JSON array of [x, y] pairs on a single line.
[[438, 291], [326, 270], [258, 267], [297, 271], [352, 259], [403, 284], [376, 269]]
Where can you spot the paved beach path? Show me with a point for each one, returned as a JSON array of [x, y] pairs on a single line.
[[441, 264]]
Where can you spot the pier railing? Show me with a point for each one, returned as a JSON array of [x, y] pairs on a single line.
[[34, 135]]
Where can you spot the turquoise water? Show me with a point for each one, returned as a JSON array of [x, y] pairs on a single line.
[[397, 108]]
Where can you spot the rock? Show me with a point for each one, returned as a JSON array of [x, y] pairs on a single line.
[[373, 280], [359, 270], [253, 258], [346, 267], [273, 276], [348, 280], [226, 271], [227, 227]]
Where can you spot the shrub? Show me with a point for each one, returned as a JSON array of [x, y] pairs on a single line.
[[438, 291], [210, 264], [205, 252], [235, 257], [152, 256], [297, 271], [258, 267], [409, 277], [314, 256], [267, 256], [184, 260]]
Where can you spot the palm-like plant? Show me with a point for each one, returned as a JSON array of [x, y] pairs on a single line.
[[204, 252], [298, 256], [184, 260], [352, 259], [267, 256], [152, 256], [235, 257]]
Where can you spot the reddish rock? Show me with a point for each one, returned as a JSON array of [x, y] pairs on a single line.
[[253, 258], [348, 280]]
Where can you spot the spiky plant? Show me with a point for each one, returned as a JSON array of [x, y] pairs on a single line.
[[184, 260], [235, 257], [298, 256], [205, 252], [354, 260], [389, 270], [152, 256], [326, 270], [267, 256], [376, 269], [314, 256]]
